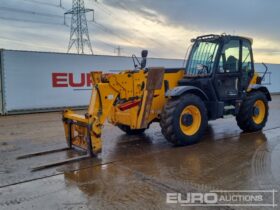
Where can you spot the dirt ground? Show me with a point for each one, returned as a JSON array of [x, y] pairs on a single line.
[[135, 172]]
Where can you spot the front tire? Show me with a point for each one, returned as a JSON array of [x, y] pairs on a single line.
[[184, 120], [253, 112]]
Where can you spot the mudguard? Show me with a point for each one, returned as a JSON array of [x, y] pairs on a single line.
[[261, 88], [179, 90]]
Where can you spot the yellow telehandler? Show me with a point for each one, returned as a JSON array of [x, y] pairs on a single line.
[[219, 79]]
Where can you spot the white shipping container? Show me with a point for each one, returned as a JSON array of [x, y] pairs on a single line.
[[40, 81], [34, 81]]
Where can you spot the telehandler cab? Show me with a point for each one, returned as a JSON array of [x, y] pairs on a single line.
[[219, 79]]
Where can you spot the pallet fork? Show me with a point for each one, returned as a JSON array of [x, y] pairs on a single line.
[[57, 163]]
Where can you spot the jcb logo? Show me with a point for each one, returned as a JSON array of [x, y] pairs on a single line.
[[60, 80]]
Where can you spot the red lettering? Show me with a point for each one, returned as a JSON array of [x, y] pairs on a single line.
[[59, 80], [68, 80], [89, 82], [73, 84]]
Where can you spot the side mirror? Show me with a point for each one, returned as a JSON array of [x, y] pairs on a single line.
[[144, 58], [144, 53]]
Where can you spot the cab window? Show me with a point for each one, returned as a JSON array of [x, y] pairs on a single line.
[[229, 60], [246, 58], [202, 58]]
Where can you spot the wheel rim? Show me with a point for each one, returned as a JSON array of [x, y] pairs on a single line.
[[259, 112], [194, 126]]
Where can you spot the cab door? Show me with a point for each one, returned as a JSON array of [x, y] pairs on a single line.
[[228, 71], [247, 65]]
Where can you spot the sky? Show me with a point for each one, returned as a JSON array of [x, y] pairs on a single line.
[[163, 27]]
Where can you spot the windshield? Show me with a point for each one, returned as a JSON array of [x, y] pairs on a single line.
[[201, 59]]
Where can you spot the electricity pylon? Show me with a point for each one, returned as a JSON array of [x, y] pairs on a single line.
[[79, 36]]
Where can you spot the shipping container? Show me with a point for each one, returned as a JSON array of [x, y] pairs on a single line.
[[43, 81]]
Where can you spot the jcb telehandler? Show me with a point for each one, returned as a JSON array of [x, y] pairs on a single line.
[[219, 79]]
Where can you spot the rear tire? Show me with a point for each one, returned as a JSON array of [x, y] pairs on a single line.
[[184, 120], [129, 131], [253, 112]]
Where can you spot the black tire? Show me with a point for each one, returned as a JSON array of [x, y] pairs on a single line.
[[130, 131], [245, 119], [171, 117]]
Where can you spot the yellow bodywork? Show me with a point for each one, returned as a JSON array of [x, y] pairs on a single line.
[[253, 81], [109, 92]]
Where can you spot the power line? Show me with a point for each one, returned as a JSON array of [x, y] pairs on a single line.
[[29, 12], [105, 10], [107, 30], [109, 45], [42, 14], [111, 13], [29, 21], [123, 6], [39, 2], [100, 26], [128, 10]]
